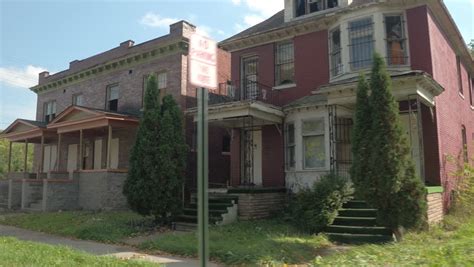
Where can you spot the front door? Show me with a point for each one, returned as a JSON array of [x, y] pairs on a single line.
[[72, 157], [252, 161]]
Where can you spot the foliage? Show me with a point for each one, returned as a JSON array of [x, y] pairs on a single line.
[[248, 243], [471, 47], [390, 183], [360, 141], [110, 227], [18, 157], [450, 244], [22, 253], [464, 197], [312, 209], [157, 161]]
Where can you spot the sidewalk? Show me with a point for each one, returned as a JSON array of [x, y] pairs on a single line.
[[95, 247]]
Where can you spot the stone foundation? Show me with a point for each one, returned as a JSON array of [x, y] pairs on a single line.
[[434, 199], [259, 203]]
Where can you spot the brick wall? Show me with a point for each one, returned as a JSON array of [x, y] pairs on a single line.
[[253, 206], [273, 162]]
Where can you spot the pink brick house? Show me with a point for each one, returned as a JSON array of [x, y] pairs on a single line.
[[86, 122], [291, 97]]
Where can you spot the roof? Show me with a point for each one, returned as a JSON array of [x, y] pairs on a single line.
[[307, 101], [278, 21]]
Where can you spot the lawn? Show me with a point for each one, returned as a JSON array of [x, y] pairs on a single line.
[[108, 227], [246, 243], [451, 244], [22, 253]]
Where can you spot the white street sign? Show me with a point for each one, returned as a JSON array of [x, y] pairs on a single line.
[[203, 62]]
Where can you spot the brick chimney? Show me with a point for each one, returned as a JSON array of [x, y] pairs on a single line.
[[182, 28], [42, 76]]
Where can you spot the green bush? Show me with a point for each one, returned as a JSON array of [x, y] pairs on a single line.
[[313, 208], [464, 192]]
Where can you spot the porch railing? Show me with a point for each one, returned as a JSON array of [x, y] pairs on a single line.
[[243, 90]]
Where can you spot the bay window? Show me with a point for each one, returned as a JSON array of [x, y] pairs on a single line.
[[314, 148], [290, 146], [361, 43], [284, 63], [396, 40]]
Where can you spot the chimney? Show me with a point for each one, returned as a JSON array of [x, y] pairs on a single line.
[[42, 76], [73, 64], [127, 44], [182, 28]]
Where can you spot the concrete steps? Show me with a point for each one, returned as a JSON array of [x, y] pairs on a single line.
[[356, 223]]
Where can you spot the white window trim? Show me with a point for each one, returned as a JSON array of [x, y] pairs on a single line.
[[407, 40], [331, 30], [325, 137], [374, 37], [277, 44], [287, 167]]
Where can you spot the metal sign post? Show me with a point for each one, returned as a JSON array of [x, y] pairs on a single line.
[[203, 73], [203, 208]]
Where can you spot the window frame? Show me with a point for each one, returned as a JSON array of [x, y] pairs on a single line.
[[107, 96], [321, 133], [459, 72], [465, 152], [290, 166], [243, 85], [307, 7], [351, 45], [332, 53], [404, 38], [471, 91], [278, 65], [75, 97], [49, 116]]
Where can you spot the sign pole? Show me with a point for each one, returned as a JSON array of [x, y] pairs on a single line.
[[202, 167]]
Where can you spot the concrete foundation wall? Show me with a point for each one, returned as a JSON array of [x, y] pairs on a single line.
[[101, 190], [260, 205], [14, 194], [61, 195]]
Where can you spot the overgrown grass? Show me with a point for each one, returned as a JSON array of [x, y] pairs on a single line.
[[246, 243], [23, 253], [109, 227], [450, 244]]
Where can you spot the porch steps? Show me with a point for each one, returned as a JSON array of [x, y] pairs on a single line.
[[356, 223], [222, 210]]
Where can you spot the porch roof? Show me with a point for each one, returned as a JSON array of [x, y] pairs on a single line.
[[76, 118], [22, 129], [404, 85], [235, 114]]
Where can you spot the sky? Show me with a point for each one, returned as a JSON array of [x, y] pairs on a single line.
[[38, 35]]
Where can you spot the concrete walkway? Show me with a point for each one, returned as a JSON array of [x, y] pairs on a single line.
[[95, 248]]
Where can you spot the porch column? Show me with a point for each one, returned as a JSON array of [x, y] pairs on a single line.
[[109, 145], [25, 166], [58, 160], [80, 150], [10, 157], [40, 164]]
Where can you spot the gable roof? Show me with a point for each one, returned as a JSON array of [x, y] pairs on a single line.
[[78, 113], [27, 125]]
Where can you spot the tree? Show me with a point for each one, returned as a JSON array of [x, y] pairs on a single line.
[[391, 184], [18, 156], [157, 159], [471, 47], [360, 142]]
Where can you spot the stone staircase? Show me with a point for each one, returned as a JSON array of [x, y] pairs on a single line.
[[356, 224], [35, 197], [222, 210]]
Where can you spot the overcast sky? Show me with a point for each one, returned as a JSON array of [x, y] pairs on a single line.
[[46, 35]]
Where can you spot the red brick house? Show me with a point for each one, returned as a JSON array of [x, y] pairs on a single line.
[[86, 122], [291, 98]]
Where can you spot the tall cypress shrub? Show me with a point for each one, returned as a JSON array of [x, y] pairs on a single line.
[[157, 160], [397, 193], [360, 141]]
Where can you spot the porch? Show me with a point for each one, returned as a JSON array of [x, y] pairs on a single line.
[[78, 144]]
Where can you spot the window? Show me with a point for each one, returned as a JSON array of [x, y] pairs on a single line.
[[162, 80], [471, 91], [226, 144], [335, 52], [458, 63], [396, 40], [314, 148], [284, 63], [49, 111], [77, 100], [250, 77], [290, 146], [112, 97], [361, 43], [464, 144], [303, 7]]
